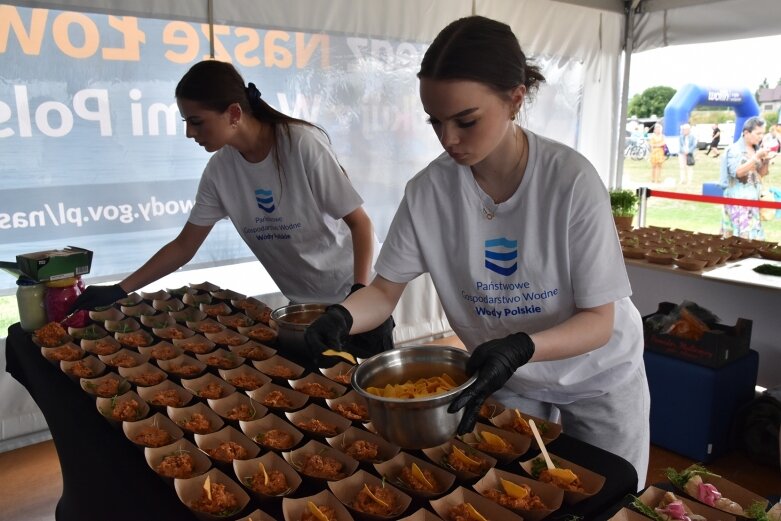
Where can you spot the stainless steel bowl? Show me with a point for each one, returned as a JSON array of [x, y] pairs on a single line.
[[291, 322], [416, 423]]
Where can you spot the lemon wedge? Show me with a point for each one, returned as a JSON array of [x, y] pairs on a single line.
[[513, 489], [565, 475], [341, 354], [473, 513], [207, 486], [461, 456], [493, 440], [520, 418], [262, 470], [316, 511], [374, 498], [422, 477]]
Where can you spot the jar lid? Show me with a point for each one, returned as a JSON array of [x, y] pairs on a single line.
[[61, 283], [24, 280]]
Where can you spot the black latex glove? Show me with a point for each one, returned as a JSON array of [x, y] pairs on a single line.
[[355, 287], [98, 296], [329, 331], [495, 362]]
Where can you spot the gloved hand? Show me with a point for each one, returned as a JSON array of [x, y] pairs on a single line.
[[355, 287], [329, 331], [97, 296], [495, 362]]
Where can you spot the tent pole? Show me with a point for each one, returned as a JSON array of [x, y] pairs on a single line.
[[210, 6], [618, 171]]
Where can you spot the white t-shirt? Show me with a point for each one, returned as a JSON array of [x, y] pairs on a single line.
[[550, 248], [290, 216]]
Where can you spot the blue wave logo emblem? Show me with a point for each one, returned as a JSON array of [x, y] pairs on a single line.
[[501, 256], [265, 200]]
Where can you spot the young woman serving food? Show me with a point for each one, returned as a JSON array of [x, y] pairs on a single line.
[[269, 172], [517, 234]]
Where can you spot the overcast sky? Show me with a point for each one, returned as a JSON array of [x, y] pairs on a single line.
[[733, 64]]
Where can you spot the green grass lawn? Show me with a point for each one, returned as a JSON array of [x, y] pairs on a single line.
[[696, 217], [9, 313]]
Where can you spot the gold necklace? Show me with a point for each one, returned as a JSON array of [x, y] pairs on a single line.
[[489, 206]]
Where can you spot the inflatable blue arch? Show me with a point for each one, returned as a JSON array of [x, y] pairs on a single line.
[[676, 113]]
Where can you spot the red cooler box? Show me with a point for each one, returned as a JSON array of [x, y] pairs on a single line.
[[693, 406]]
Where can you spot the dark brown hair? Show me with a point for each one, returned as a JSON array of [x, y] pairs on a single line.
[[479, 49], [217, 85]]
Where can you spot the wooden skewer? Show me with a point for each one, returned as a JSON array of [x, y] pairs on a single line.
[[537, 437]]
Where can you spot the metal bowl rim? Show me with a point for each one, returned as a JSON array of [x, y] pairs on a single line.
[[425, 399]]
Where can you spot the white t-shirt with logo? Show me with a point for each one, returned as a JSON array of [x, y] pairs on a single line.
[[290, 216], [548, 250]]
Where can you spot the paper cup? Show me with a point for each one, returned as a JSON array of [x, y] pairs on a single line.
[[280, 369], [627, 515], [347, 491], [247, 303], [196, 418], [728, 489], [208, 386], [123, 325], [591, 481], [352, 406], [196, 299], [172, 331], [154, 431], [220, 359], [421, 515], [90, 332], [484, 506], [515, 444], [257, 515], [128, 407], [67, 352], [144, 375], [163, 350], [363, 446], [235, 320], [102, 315], [154, 295], [225, 445], [254, 351], [491, 408], [183, 366], [227, 338], [108, 345], [195, 345], [237, 407], [87, 367], [278, 398], [135, 339], [306, 460], [106, 386], [244, 377], [260, 333], [339, 373], [188, 314], [215, 309], [124, 358], [248, 473], [165, 394], [294, 509], [138, 310], [550, 496], [318, 387], [160, 320], [192, 494], [227, 294], [206, 325], [442, 454], [168, 305], [272, 433], [53, 335], [131, 300], [549, 431], [261, 313], [318, 422], [393, 469]]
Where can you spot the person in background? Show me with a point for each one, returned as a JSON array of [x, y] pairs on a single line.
[[744, 166], [268, 170], [687, 145], [658, 157], [503, 221], [771, 140], [714, 142]]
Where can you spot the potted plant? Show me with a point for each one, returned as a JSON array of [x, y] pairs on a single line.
[[624, 205]]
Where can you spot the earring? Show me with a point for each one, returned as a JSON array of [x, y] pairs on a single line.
[[234, 124]]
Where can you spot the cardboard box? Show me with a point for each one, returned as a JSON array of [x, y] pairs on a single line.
[[55, 264], [717, 347]]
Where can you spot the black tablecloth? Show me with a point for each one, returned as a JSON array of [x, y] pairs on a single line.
[[105, 476]]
